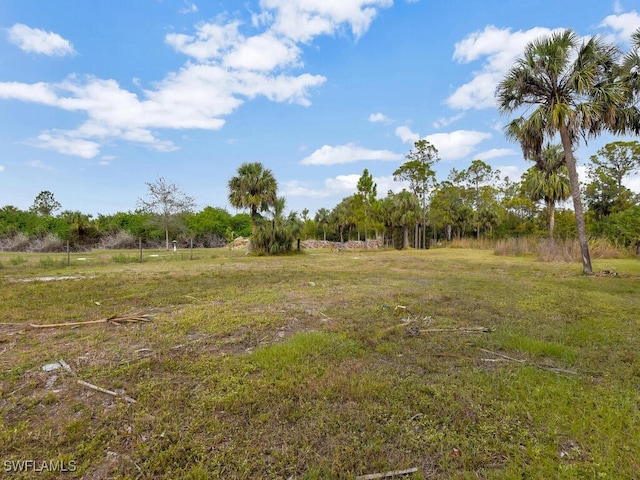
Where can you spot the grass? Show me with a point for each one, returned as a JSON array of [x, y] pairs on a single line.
[[302, 367]]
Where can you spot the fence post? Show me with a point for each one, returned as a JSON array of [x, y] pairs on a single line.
[[68, 254], [140, 244]]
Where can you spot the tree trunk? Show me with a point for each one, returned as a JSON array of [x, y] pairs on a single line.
[[577, 201], [405, 237], [551, 209], [166, 237]]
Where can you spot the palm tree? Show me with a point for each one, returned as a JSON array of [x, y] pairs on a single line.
[[578, 90], [322, 219], [548, 180], [406, 211], [254, 188]]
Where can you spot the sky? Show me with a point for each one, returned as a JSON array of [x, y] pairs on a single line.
[[99, 98]]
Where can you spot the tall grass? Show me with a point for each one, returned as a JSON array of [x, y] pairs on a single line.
[[558, 250]]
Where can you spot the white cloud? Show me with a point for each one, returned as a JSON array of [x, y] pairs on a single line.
[[36, 92], [67, 145], [263, 53], [445, 122], [329, 155], [513, 172], [457, 144], [1, 168], [189, 7], [378, 117], [339, 186], [40, 165], [623, 25], [494, 153], [405, 134], [302, 20], [499, 48], [39, 41], [211, 41], [632, 182]]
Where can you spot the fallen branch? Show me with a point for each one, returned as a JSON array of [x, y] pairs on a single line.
[[457, 330], [115, 320], [104, 390], [373, 476], [548, 368], [503, 356]]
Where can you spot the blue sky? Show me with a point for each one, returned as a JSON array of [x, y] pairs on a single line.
[[99, 97]]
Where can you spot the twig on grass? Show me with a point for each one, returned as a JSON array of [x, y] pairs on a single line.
[[116, 320], [104, 390], [457, 330], [548, 368], [374, 476]]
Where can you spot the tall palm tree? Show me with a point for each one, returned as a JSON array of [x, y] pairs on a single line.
[[548, 180], [406, 211], [322, 218], [254, 188], [578, 90]]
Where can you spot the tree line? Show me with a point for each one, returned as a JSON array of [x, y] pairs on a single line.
[[470, 203]]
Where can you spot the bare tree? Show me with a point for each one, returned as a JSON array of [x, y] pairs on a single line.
[[165, 201]]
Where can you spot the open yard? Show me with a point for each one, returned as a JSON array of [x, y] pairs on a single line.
[[307, 367]]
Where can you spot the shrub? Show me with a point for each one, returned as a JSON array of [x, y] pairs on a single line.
[[17, 260]]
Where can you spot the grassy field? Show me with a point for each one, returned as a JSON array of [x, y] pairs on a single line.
[[305, 367]]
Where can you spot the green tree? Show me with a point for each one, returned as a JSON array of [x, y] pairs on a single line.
[[367, 192], [322, 218], [165, 202], [418, 172], [548, 180], [405, 211], [255, 189], [276, 235], [618, 159], [45, 204], [343, 215], [604, 195], [478, 175], [577, 89]]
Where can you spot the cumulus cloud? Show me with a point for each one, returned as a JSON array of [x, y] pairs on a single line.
[[39, 41], [302, 20], [378, 117], [189, 7], [632, 182], [339, 186], [494, 153], [499, 48], [67, 145], [332, 155], [405, 134], [622, 24], [225, 69], [445, 122], [513, 172], [457, 144], [41, 165]]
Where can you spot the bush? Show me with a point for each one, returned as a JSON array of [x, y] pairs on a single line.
[[49, 243], [17, 260], [118, 240]]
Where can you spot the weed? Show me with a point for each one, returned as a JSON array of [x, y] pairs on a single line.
[[17, 260]]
